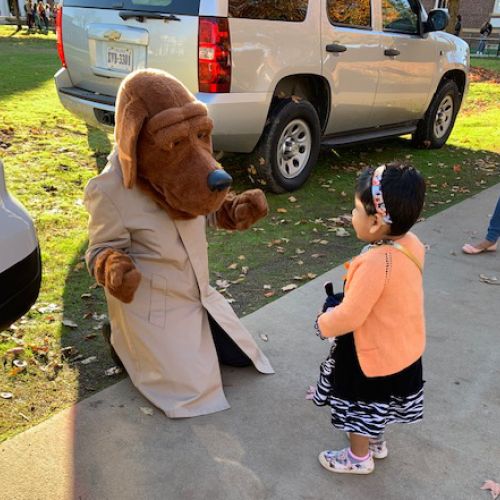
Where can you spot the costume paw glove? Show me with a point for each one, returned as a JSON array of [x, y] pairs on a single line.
[[243, 210], [116, 271]]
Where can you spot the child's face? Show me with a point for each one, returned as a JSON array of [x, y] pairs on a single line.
[[368, 228]]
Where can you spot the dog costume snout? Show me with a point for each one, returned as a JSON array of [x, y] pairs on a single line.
[[218, 180]]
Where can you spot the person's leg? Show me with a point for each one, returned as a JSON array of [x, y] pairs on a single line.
[[489, 244], [494, 227], [359, 445], [228, 351]]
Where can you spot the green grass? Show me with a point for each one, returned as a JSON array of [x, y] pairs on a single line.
[[491, 63], [49, 155]]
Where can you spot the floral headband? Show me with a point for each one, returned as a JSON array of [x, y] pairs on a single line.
[[378, 199]]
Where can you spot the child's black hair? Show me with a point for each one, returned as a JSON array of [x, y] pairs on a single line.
[[403, 189]]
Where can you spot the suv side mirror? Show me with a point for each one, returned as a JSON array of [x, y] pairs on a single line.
[[437, 20]]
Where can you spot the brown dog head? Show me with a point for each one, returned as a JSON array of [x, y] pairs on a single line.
[[163, 137]]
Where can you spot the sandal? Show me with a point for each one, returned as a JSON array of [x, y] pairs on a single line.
[[472, 250]]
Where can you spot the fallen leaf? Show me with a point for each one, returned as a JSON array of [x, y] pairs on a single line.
[[311, 276], [50, 308], [281, 210], [292, 199], [341, 232], [299, 251], [289, 288], [241, 257], [457, 168], [234, 265], [69, 323], [15, 351], [146, 410], [264, 337], [114, 370], [90, 336], [270, 294], [20, 364], [6, 395], [89, 360], [267, 287], [323, 242], [222, 283], [86, 296], [245, 269]]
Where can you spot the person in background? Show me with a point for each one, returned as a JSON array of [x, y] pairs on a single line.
[[458, 26], [489, 244], [484, 32], [30, 19]]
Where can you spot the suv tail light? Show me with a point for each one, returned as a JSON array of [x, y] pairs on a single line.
[[214, 55], [59, 43]]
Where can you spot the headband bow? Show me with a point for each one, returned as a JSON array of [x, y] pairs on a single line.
[[377, 197]]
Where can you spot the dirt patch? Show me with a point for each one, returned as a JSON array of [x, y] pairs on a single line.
[[482, 75]]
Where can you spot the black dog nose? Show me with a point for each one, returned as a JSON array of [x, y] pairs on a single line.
[[219, 180]]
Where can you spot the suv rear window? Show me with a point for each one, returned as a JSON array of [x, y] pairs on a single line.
[[181, 7], [291, 10]]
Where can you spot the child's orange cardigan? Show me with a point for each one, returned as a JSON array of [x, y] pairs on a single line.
[[384, 307]]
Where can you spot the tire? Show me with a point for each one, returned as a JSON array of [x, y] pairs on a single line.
[[436, 126], [288, 148]]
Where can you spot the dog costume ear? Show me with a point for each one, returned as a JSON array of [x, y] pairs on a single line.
[[130, 116]]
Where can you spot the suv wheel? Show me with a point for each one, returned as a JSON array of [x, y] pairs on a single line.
[[288, 148], [435, 128]]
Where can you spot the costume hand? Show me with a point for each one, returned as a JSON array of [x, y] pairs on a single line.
[[116, 271], [243, 210]]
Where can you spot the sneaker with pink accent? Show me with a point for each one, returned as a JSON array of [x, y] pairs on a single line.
[[378, 448], [341, 462]]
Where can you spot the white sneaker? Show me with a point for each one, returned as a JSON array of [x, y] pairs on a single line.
[[378, 449], [340, 462]]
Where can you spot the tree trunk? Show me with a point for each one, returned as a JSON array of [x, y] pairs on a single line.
[[454, 10]]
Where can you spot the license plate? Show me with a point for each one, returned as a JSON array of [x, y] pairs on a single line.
[[119, 59]]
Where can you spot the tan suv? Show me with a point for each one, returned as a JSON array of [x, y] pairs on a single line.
[[279, 78]]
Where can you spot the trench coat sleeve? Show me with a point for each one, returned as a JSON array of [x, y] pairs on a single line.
[[106, 227]]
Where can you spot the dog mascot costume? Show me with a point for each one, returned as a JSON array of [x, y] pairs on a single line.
[[148, 248]]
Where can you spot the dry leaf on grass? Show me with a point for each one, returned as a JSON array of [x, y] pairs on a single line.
[[281, 210], [292, 199], [234, 265], [114, 370], [270, 294], [69, 323], [89, 360], [289, 288], [6, 395]]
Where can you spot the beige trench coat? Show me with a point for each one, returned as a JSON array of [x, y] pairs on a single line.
[[163, 336]]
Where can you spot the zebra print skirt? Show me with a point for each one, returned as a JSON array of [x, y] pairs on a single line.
[[366, 405]]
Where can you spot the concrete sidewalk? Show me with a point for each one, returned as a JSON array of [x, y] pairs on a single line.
[[266, 445]]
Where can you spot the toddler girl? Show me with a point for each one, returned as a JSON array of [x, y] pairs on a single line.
[[373, 374]]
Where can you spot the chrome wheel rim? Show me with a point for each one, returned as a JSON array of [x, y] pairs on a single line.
[[294, 149], [444, 116]]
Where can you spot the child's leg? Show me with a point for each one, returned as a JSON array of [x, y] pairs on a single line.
[[359, 445]]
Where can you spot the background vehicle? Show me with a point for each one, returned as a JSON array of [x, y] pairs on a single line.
[[278, 77], [20, 262]]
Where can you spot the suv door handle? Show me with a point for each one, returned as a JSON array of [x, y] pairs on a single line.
[[391, 52], [335, 47]]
